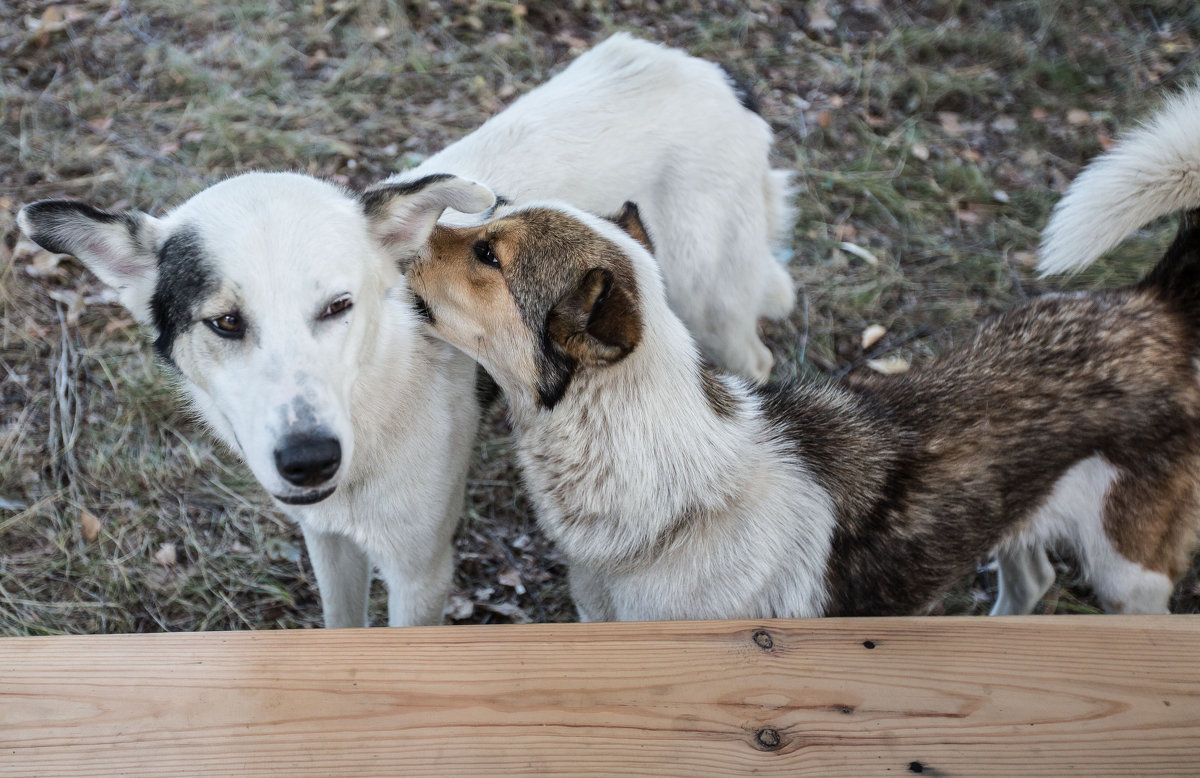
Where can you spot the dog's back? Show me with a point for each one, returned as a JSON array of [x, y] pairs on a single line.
[[1071, 419], [633, 120]]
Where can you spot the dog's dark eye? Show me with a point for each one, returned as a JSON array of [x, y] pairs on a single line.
[[484, 253], [339, 305], [229, 325]]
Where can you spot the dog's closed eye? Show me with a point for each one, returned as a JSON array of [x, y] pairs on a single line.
[[485, 254]]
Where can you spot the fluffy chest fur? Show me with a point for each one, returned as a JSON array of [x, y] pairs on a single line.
[[671, 510]]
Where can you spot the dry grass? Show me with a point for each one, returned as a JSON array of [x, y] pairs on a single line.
[[935, 135]]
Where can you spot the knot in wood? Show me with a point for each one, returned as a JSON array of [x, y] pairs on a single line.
[[763, 639], [768, 738]]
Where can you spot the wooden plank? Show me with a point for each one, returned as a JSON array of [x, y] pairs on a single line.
[[946, 696]]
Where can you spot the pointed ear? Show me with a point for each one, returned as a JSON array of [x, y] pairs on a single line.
[[598, 323], [403, 215], [630, 220], [117, 247]]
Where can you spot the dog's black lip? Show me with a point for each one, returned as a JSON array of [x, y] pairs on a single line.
[[422, 308], [308, 498]]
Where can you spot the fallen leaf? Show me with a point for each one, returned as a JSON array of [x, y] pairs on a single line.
[[1004, 124], [1078, 116], [459, 608], [1039, 113], [165, 555], [872, 334], [43, 264], [73, 300], [968, 216], [950, 122], [101, 125], [859, 252], [89, 524], [889, 365], [512, 579], [1025, 258], [819, 19]]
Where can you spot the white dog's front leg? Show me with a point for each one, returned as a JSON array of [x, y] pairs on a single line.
[[343, 574], [590, 594], [417, 595]]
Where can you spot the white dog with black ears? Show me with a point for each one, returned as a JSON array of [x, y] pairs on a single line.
[[676, 493], [275, 301]]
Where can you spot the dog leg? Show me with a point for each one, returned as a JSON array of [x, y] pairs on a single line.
[[343, 573], [1025, 574], [589, 594], [417, 597], [1127, 587]]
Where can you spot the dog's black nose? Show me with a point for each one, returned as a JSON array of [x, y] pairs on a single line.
[[308, 460]]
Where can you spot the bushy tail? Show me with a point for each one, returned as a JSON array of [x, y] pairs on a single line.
[[1152, 171]]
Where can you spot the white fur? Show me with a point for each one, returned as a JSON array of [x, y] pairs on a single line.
[[628, 121], [1073, 515], [1153, 171], [280, 247], [654, 447], [632, 120]]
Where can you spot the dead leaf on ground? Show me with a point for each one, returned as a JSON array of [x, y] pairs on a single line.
[[889, 365], [166, 555], [872, 334], [1078, 117], [951, 122], [511, 578], [819, 20], [459, 608], [89, 524]]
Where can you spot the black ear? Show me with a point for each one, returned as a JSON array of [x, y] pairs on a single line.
[[630, 220], [597, 323], [403, 215], [117, 247]]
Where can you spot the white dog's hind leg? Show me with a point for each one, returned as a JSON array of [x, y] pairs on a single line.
[[1025, 573], [343, 574], [1123, 586]]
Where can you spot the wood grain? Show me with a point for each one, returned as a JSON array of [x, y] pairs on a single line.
[[948, 696]]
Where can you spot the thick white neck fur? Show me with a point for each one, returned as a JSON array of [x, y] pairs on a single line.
[[680, 511]]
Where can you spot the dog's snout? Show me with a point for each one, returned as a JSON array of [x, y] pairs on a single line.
[[308, 460]]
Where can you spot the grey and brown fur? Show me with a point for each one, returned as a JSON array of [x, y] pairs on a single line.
[[678, 493]]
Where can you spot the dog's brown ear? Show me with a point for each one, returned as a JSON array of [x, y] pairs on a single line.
[[630, 220], [597, 323]]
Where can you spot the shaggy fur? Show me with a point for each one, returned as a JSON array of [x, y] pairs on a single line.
[[675, 493], [632, 120], [1152, 172], [351, 417]]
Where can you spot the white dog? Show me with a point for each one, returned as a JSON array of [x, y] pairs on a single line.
[[276, 302], [676, 493]]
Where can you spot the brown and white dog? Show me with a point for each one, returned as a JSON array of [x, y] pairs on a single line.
[[678, 493]]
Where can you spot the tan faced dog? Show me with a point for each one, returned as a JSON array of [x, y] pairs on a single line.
[[677, 493]]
